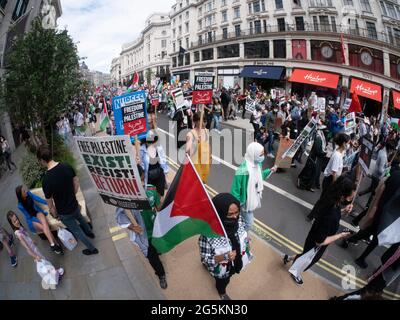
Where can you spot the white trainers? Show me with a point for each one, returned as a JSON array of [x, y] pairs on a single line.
[[270, 155]]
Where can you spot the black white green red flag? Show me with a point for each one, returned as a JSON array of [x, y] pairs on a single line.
[[187, 211]]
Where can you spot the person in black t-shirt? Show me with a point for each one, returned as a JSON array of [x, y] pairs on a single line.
[[337, 200], [60, 184]]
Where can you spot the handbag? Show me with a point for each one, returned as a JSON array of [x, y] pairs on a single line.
[[67, 239], [47, 272]]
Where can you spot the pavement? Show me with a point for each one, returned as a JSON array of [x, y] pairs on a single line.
[[121, 272]]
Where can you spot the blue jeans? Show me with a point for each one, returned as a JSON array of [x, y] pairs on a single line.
[[217, 120], [248, 217], [71, 222], [270, 144]]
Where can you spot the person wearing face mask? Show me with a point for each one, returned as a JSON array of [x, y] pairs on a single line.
[[225, 256], [247, 185], [337, 201]]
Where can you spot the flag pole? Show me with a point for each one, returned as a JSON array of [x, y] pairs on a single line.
[[208, 196]]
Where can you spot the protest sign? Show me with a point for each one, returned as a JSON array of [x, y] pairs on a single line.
[[250, 104], [203, 88], [300, 140], [350, 122], [347, 104], [130, 113], [113, 170], [179, 99], [155, 100], [321, 105], [367, 148], [284, 145]]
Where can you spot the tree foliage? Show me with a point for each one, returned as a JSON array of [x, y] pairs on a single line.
[[42, 77]]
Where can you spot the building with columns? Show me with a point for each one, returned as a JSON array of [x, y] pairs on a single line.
[[147, 55], [287, 43], [116, 78]]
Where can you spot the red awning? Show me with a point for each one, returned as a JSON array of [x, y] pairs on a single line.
[[366, 89], [396, 99], [315, 78]]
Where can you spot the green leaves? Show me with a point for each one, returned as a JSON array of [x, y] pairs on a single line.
[[42, 76]]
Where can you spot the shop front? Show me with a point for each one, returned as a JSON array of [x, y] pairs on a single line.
[[265, 77], [228, 77], [179, 76], [324, 84], [369, 94]]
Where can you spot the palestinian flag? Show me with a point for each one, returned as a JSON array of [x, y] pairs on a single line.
[[135, 80], [104, 119], [395, 123], [187, 211], [389, 225]]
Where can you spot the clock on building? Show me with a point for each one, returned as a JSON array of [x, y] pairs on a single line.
[[327, 52], [366, 58]]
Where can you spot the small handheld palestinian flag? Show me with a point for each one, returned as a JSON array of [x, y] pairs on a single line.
[[104, 119], [187, 211]]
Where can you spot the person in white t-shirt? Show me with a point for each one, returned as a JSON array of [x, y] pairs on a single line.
[[79, 123], [335, 166]]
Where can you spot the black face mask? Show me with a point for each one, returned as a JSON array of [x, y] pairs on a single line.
[[230, 223]]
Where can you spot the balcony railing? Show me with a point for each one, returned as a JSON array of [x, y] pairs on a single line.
[[299, 29]]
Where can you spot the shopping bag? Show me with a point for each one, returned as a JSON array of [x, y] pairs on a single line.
[[47, 272], [303, 262], [67, 239]]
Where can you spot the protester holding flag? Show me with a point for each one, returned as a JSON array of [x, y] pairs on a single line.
[[336, 201], [226, 256], [140, 233], [248, 182]]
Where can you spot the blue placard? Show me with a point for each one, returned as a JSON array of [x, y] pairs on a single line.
[[121, 103]]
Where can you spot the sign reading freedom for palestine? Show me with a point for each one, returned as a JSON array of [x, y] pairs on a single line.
[[203, 88], [113, 169], [130, 112]]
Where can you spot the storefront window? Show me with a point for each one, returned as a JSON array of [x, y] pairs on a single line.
[[279, 48], [258, 49], [229, 51], [196, 56], [207, 54]]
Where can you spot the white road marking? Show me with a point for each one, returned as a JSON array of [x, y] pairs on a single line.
[[274, 188]]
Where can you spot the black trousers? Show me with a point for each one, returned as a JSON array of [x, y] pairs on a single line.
[[154, 259], [256, 129], [326, 183], [221, 284]]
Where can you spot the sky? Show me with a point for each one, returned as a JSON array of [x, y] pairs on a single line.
[[100, 27]]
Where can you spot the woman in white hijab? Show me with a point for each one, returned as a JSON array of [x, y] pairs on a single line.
[[248, 183]]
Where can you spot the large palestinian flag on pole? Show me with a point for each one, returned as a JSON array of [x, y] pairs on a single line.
[[389, 226], [187, 211]]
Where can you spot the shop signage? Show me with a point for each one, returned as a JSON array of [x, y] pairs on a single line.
[[366, 89]]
